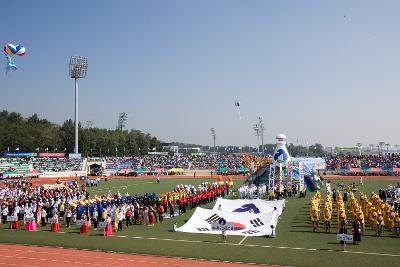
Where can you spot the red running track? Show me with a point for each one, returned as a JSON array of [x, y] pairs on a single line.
[[32, 256]]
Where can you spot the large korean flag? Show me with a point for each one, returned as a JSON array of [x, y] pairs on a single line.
[[245, 224]]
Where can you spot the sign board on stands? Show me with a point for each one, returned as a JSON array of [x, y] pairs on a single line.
[[75, 156], [12, 218], [29, 219], [102, 224], [344, 237], [52, 220], [222, 225], [80, 222], [51, 155]]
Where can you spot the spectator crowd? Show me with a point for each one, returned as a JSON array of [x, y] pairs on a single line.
[[363, 161]]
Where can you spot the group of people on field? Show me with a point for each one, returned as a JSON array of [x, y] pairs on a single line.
[[69, 203], [375, 212]]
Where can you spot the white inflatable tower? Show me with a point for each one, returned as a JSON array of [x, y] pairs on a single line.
[[280, 159], [281, 155]]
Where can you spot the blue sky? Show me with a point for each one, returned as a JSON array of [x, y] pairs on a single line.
[[318, 71]]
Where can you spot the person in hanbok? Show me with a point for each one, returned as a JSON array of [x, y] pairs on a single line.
[[30, 224], [146, 216], [152, 217], [55, 226], [116, 211], [108, 229], [15, 224], [38, 214], [84, 227]]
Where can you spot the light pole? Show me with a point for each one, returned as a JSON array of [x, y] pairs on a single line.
[[122, 119], [257, 133], [77, 70], [213, 136], [261, 127]]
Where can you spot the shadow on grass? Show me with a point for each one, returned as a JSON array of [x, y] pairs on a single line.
[[382, 236], [310, 231], [337, 243], [301, 226]]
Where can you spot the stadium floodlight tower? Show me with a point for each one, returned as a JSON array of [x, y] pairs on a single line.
[[77, 70], [213, 136]]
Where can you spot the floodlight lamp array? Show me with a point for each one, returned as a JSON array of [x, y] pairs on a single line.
[[78, 66]]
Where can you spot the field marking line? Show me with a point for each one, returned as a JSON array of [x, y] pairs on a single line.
[[241, 241], [253, 245], [266, 246]]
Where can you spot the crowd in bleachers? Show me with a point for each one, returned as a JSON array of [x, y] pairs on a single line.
[[56, 164], [14, 164], [26, 164], [363, 161], [176, 161], [146, 163]]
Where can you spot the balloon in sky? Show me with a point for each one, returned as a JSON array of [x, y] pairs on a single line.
[[237, 105], [20, 50], [10, 49]]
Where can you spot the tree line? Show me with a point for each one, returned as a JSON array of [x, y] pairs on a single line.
[[34, 134], [316, 150]]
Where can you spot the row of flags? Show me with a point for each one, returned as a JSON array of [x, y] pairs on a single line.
[[37, 149]]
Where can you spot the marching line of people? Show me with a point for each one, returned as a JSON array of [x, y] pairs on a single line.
[[35, 205]]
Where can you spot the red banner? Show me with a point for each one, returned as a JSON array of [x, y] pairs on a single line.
[[51, 155]]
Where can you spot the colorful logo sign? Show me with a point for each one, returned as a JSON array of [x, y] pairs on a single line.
[[281, 156], [248, 208]]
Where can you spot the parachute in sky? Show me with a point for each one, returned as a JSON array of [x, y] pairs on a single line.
[[11, 50], [237, 105]]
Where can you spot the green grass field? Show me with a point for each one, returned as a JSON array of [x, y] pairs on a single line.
[[295, 244]]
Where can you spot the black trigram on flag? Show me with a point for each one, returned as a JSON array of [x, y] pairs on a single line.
[[203, 229], [256, 222], [250, 232], [213, 218]]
